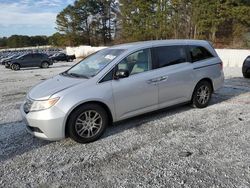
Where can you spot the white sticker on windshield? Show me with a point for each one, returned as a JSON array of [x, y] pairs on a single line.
[[110, 57]]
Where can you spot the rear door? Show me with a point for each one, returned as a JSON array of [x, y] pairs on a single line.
[[137, 93], [175, 74], [37, 60]]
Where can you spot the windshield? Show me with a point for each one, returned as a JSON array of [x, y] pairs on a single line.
[[20, 56], [93, 64]]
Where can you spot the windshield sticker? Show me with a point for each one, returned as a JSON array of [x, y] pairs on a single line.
[[110, 57]]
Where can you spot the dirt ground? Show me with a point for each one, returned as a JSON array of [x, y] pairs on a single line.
[[176, 147]]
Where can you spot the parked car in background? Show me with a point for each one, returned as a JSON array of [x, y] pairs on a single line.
[[62, 57], [246, 68], [121, 82], [30, 60], [9, 58]]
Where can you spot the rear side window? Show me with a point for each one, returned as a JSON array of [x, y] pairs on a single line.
[[198, 53], [170, 55]]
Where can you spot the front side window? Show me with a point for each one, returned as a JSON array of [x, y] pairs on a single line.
[[93, 64], [26, 57], [198, 53], [170, 55], [137, 62]]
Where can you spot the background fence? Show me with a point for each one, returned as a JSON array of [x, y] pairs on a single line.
[[230, 57]]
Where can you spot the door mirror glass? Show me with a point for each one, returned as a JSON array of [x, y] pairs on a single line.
[[121, 73]]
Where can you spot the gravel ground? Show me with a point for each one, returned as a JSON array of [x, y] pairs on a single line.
[[176, 147]]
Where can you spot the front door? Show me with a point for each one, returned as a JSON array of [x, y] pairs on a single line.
[[137, 93], [26, 61]]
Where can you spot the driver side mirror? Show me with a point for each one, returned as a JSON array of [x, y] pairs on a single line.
[[122, 73]]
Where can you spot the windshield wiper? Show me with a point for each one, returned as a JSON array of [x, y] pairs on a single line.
[[78, 75], [74, 75]]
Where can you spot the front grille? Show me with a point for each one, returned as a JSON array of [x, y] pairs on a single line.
[[27, 106]]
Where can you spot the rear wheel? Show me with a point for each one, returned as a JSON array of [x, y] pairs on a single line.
[[45, 65], [202, 94], [15, 66], [87, 123]]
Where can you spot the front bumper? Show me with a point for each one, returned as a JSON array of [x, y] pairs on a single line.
[[46, 124]]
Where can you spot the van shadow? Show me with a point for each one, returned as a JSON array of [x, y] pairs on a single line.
[[232, 88]]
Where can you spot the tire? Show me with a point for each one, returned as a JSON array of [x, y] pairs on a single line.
[[80, 125], [45, 65], [7, 66], [246, 75], [202, 94], [15, 66]]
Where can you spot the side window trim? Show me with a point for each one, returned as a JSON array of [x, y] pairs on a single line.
[[187, 49]]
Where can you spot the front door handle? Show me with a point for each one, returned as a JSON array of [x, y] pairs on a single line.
[[163, 78], [153, 81], [156, 80]]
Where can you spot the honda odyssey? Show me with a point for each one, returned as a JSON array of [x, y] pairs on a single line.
[[121, 82]]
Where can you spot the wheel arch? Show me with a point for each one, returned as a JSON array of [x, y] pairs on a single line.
[[102, 104], [204, 79]]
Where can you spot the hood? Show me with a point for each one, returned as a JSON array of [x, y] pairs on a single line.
[[52, 86]]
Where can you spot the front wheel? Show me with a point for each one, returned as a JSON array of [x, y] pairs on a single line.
[[45, 65], [87, 123], [15, 66], [202, 94]]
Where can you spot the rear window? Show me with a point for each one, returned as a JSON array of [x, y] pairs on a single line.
[[198, 53], [170, 55]]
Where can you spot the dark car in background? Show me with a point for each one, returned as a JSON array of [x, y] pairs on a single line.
[[62, 57], [5, 60], [30, 60], [246, 68]]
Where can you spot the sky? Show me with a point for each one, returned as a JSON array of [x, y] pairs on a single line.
[[30, 17]]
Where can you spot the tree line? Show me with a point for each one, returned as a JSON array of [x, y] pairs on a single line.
[[16, 41], [226, 23], [94, 22]]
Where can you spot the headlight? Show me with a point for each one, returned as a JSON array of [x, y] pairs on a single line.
[[43, 105]]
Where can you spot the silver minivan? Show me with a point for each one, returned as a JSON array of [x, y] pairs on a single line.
[[121, 82]]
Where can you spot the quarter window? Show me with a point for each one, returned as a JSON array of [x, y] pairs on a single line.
[[170, 55], [137, 62], [198, 53]]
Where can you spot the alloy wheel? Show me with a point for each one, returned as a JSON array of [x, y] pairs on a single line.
[[88, 124], [203, 94]]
